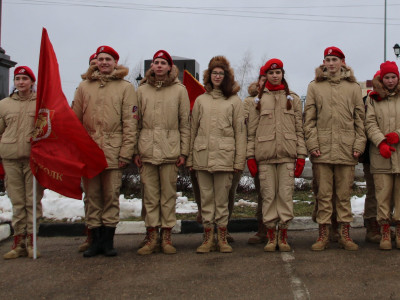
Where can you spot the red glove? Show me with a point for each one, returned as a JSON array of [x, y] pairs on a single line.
[[385, 150], [392, 138], [300, 162], [252, 165], [2, 173]]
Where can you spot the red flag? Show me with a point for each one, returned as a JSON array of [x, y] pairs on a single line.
[[193, 87], [62, 151], [2, 173]]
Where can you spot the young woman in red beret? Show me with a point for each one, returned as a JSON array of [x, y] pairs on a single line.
[[382, 125], [17, 116], [276, 145]]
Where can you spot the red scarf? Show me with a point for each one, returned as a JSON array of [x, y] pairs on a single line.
[[272, 87]]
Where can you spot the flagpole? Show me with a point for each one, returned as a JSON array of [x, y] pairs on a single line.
[[34, 217]]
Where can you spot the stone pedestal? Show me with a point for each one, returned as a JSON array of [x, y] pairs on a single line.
[[5, 64]]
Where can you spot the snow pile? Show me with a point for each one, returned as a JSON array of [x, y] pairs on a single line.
[[243, 203]]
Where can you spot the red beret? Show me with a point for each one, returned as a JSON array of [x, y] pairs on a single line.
[[334, 51], [24, 70], [93, 56], [108, 50], [273, 64], [389, 67], [263, 70], [377, 73], [164, 55]]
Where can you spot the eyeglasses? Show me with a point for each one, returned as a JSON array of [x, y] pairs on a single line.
[[221, 74]]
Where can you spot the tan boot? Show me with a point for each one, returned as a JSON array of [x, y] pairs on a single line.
[[223, 245], [166, 243], [152, 242], [345, 241], [146, 238], [18, 248], [261, 235], [282, 238], [323, 238], [29, 246], [386, 241], [272, 240], [398, 235], [208, 244], [334, 232], [373, 234], [89, 239]]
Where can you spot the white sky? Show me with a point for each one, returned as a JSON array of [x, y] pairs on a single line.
[[296, 31]]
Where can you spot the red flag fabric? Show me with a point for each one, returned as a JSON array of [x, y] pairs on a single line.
[[193, 87], [2, 173], [62, 151]]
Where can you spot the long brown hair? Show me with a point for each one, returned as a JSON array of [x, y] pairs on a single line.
[[285, 84]]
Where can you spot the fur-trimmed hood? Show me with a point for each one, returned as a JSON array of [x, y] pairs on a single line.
[[221, 62], [150, 78], [381, 90], [346, 73], [253, 89], [93, 74]]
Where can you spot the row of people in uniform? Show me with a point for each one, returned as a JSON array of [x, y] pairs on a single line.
[[154, 127]]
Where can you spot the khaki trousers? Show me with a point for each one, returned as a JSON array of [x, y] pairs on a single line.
[[232, 192], [159, 185], [370, 205], [214, 191], [340, 178], [259, 214], [102, 198], [387, 191], [277, 186], [19, 186]]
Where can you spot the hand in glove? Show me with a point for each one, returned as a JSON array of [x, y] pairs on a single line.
[[252, 165], [385, 150], [392, 138], [300, 162]]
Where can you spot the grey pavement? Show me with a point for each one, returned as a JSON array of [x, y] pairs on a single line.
[[247, 273]]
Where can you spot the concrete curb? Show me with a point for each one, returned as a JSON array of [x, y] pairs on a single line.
[[182, 226]]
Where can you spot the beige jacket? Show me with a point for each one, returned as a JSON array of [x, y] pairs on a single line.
[[334, 118], [277, 135], [250, 106], [164, 130], [107, 107], [383, 117], [17, 123], [218, 133]]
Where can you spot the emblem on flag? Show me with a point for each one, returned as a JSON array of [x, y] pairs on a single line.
[[43, 124]]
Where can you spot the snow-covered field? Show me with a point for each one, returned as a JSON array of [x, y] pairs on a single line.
[[58, 207]]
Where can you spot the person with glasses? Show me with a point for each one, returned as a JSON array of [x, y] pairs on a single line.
[[217, 148], [276, 145]]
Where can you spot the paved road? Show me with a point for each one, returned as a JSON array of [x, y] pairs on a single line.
[[248, 273]]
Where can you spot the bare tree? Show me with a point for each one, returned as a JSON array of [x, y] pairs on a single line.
[[243, 72]]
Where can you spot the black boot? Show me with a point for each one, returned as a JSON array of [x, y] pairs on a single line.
[[108, 241], [97, 244]]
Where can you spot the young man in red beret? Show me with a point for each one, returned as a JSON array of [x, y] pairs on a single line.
[[335, 138], [106, 104], [163, 146]]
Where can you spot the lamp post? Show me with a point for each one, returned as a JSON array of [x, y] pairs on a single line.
[[138, 79], [396, 49]]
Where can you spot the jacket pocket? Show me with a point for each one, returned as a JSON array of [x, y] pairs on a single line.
[[379, 163], [346, 144], [145, 144], [200, 153], [267, 117], [225, 155], [112, 147], [265, 147], [290, 144]]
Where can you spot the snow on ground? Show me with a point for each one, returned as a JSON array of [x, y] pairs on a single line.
[[58, 207]]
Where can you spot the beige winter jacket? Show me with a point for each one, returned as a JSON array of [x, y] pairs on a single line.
[[277, 135], [383, 117], [218, 133], [249, 105], [164, 130], [334, 118], [107, 107], [17, 123]]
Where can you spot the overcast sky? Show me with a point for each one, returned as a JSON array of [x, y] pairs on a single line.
[[296, 31]]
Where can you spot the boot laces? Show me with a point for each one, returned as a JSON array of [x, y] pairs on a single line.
[[345, 232], [271, 234], [284, 236], [322, 233], [386, 232], [207, 233], [16, 242], [223, 235], [167, 236]]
